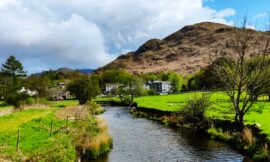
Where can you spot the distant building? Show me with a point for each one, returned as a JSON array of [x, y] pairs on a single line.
[[162, 87], [59, 92], [110, 87], [61, 85], [28, 92]]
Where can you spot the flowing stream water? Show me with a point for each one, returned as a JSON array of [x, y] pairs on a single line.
[[142, 140]]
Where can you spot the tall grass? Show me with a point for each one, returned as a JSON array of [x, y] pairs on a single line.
[[102, 142], [249, 137], [90, 134]]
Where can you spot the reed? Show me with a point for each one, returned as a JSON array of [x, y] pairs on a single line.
[[102, 125], [249, 137]]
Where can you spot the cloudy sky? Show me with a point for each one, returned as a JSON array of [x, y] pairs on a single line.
[[48, 34]]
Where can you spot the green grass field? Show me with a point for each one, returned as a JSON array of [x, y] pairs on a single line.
[[221, 107], [34, 127], [39, 143]]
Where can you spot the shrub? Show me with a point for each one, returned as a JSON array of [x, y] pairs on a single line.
[[262, 154], [94, 108], [194, 110], [84, 89], [17, 99], [30, 101]]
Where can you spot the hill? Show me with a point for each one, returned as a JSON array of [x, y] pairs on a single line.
[[185, 51]]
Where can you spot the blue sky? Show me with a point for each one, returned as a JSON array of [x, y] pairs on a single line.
[[90, 33], [256, 10]]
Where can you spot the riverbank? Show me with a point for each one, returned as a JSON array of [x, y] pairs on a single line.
[[62, 131], [252, 141]]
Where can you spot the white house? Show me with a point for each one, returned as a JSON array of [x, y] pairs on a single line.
[[162, 87], [28, 92], [110, 87]]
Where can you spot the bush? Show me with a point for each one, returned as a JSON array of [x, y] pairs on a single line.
[[84, 89], [30, 101], [262, 154], [94, 108], [151, 92], [17, 99], [194, 110]]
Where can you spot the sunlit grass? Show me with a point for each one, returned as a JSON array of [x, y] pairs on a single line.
[[221, 107], [13, 121], [35, 127], [100, 143]]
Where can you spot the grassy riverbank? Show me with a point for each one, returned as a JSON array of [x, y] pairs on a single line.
[[252, 141], [52, 133], [221, 107]]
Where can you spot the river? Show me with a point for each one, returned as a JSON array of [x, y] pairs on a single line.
[[142, 140]]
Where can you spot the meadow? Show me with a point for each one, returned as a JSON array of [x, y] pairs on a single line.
[[221, 107], [43, 136]]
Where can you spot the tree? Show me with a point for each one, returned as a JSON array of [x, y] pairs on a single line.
[[126, 92], [39, 84], [11, 70], [17, 99], [115, 76], [243, 76], [135, 88], [14, 69], [5, 87], [177, 82], [84, 89], [205, 79], [267, 90], [196, 81]]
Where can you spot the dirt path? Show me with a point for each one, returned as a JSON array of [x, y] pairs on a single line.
[[10, 110], [6, 112]]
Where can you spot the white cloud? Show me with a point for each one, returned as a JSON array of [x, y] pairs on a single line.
[[86, 33]]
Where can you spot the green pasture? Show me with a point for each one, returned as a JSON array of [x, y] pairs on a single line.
[[221, 107], [34, 127]]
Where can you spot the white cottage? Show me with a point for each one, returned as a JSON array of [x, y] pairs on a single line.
[[162, 87], [28, 92], [110, 87]]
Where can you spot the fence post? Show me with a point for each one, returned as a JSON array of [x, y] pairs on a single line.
[[18, 141], [67, 122], [51, 128]]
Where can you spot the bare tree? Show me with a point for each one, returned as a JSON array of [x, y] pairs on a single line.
[[244, 71]]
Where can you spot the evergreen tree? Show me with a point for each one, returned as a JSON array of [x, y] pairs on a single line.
[[14, 69]]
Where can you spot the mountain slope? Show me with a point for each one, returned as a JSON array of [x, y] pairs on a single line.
[[185, 51]]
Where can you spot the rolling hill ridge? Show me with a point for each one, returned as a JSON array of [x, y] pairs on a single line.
[[185, 51]]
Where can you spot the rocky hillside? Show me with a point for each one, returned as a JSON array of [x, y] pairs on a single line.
[[185, 51]]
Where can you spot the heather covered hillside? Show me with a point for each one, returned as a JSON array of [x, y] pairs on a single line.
[[185, 51]]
